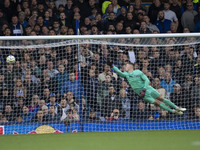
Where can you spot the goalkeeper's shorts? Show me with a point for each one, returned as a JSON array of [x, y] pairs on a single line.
[[151, 94]]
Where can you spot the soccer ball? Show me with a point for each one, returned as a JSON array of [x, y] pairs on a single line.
[[10, 59]]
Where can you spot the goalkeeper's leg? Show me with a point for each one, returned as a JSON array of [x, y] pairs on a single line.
[[152, 100], [165, 107], [171, 104]]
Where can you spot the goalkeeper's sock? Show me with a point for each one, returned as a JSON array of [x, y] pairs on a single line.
[[169, 103], [163, 106]]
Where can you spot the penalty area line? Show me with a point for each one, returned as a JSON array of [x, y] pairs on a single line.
[[196, 143]]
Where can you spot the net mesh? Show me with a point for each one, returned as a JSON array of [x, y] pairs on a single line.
[[66, 85]]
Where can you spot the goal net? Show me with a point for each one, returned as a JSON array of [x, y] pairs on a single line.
[[63, 83]]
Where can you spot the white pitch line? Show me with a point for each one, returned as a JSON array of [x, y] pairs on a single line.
[[196, 143]]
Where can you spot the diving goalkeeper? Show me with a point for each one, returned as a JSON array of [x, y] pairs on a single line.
[[139, 82]]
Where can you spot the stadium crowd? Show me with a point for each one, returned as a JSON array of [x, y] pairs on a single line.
[[47, 84]]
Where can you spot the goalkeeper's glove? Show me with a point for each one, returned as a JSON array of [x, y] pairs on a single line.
[[110, 63], [142, 93]]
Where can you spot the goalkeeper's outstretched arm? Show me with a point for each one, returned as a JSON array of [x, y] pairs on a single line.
[[121, 74]]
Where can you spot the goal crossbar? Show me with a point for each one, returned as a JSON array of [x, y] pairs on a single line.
[[63, 37]]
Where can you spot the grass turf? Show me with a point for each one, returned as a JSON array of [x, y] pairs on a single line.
[[133, 140]]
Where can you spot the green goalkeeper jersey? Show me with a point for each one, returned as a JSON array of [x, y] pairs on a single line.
[[137, 79]]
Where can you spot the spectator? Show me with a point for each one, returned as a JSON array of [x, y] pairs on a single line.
[[70, 100], [42, 62], [2, 81], [39, 117], [174, 28], [175, 7], [35, 69], [122, 16], [52, 101], [105, 5], [27, 12], [188, 59], [9, 113], [195, 93], [144, 29], [9, 8], [92, 116], [197, 17], [69, 10], [196, 67], [56, 27], [60, 78], [9, 75], [116, 7], [196, 112], [169, 14], [145, 66], [53, 57], [19, 105], [52, 116], [63, 19], [45, 110], [177, 95], [157, 86], [86, 55], [150, 26], [60, 2], [102, 76], [118, 59], [19, 89], [46, 94], [141, 112], [187, 19], [63, 30], [34, 104], [125, 104], [109, 103], [168, 83], [3, 119], [138, 5], [197, 27], [48, 21], [51, 71], [69, 115], [28, 73], [74, 86], [64, 106], [40, 23], [130, 21], [115, 116], [41, 103], [7, 97], [22, 20], [128, 30], [111, 20], [154, 9], [155, 62], [91, 88], [178, 73], [141, 55], [26, 115], [162, 23], [17, 28], [75, 111], [3, 19]]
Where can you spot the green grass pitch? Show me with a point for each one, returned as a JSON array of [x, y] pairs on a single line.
[[130, 140]]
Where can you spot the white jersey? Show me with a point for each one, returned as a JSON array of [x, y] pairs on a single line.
[[170, 15]]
